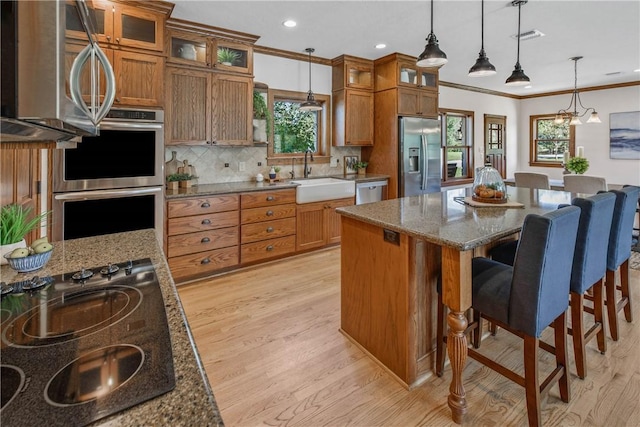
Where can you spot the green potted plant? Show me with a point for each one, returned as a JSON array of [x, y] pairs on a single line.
[[15, 223], [227, 56], [261, 118], [578, 165], [361, 167], [179, 179]]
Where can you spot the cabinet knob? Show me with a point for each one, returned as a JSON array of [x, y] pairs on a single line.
[[117, 39], [205, 205], [108, 38], [117, 99], [269, 229], [269, 213], [270, 198], [205, 261], [206, 222], [269, 248], [205, 240]]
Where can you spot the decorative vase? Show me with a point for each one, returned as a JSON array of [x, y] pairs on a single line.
[[5, 249], [172, 185], [362, 171], [259, 130], [272, 173], [185, 184]]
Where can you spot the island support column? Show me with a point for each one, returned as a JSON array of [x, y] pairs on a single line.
[[456, 294]]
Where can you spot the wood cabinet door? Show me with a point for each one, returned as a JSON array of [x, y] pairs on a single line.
[[20, 174], [359, 118], [187, 107], [310, 225], [137, 28], [333, 220], [232, 110], [428, 104], [139, 79], [417, 102]]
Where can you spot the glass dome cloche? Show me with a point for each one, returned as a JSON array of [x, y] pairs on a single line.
[[488, 186]]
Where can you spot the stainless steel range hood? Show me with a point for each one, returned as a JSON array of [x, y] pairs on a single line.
[[45, 98]]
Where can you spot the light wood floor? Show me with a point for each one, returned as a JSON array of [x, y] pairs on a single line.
[[269, 341]]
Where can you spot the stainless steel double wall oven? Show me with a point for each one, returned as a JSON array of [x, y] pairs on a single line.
[[112, 182]]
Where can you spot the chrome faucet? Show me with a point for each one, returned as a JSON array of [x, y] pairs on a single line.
[[307, 171], [292, 173]]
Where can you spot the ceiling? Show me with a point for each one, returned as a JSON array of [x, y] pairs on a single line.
[[605, 33]]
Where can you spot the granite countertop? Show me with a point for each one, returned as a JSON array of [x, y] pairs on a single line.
[[192, 401], [438, 218], [247, 186]]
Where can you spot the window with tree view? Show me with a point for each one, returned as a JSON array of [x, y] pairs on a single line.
[[295, 131], [458, 143], [549, 140]]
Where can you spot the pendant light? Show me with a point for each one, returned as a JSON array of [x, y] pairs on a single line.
[[310, 104], [482, 67], [432, 56], [575, 100], [518, 77]]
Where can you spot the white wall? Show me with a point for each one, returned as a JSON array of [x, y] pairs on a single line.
[[290, 74], [482, 104], [593, 137]]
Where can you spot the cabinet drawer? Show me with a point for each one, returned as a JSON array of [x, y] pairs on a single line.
[[268, 230], [201, 263], [192, 224], [190, 243], [202, 205], [268, 213], [268, 198], [267, 249]]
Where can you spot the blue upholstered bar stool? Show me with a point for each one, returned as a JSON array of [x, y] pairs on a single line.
[[618, 256], [529, 296], [588, 271]]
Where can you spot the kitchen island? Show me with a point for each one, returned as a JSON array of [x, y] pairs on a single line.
[[191, 402], [393, 254]]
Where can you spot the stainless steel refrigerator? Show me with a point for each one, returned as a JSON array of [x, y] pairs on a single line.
[[420, 150]]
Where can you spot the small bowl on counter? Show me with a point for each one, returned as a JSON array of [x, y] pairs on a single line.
[[29, 263]]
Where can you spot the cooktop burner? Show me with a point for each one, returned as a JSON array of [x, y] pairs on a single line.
[[77, 350]]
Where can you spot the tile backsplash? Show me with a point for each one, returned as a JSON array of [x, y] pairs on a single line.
[[209, 162]]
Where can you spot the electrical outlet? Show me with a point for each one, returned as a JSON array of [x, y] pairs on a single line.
[[334, 162], [259, 163], [226, 165], [242, 166]]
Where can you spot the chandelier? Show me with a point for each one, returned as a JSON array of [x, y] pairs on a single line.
[[575, 100]]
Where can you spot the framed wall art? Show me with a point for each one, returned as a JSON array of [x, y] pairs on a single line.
[[624, 135], [349, 163]]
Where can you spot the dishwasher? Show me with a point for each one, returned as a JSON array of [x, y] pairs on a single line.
[[368, 192]]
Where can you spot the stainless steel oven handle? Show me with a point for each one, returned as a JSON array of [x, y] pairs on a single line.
[[101, 194]]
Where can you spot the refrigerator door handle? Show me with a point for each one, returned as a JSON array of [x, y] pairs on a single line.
[[423, 168]]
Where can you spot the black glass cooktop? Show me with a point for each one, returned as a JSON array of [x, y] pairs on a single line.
[[83, 345]]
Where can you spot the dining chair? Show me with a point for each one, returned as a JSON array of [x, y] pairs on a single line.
[[619, 252], [532, 180], [584, 184], [528, 297], [587, 275]]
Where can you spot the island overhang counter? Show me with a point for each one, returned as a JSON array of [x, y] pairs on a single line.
[[392, 255]]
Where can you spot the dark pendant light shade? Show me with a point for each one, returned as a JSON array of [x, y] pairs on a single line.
[[310, 104], [482, 67], [518, 77], [432, 56]]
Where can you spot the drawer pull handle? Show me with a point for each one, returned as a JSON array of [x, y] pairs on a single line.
[[270, 198], [269, 229], [205, 240], [269, 213], [205, 261], [205, 205], [206, 222], [269, 248]]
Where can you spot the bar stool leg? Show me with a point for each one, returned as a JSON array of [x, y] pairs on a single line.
[[531, 382], [612, 312], [577, 328], [624, 284], [598, 314]]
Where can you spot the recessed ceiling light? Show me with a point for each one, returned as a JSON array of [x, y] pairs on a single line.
[[381, 46], [289, 23], [528, 87], [528, 35]]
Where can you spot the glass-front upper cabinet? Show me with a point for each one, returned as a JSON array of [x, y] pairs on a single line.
[[189, 49], [352, 72], [413, 76], [231, 56]]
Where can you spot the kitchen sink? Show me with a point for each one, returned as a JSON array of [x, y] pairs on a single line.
[[319, 189]]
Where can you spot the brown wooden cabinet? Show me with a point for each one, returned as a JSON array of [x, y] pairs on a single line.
[[138, 26], [232, 110], [202, 235], [415, 102], [268, 225], [318, 224], [398, 70], [352, 101]]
